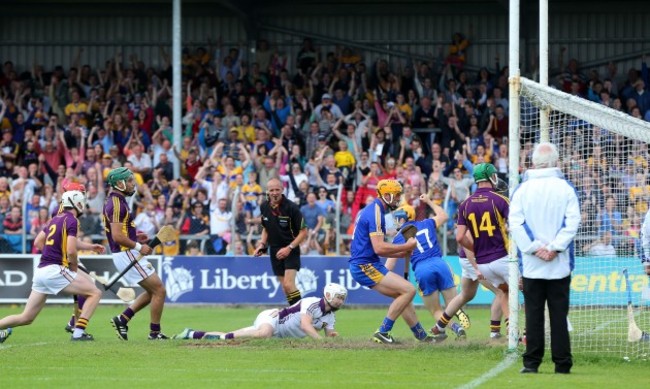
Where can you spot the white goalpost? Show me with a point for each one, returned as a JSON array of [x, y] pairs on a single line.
[[604, 154]]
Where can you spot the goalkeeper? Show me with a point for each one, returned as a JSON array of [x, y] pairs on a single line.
[[304, 318]]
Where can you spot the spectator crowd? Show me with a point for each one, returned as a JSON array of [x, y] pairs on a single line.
[[328, 124]]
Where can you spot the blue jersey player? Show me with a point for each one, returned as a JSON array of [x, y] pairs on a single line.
[[368, 245], [57, 271], [432, 274]]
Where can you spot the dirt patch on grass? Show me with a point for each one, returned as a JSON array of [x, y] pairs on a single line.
[[336, 344], [213, 344]]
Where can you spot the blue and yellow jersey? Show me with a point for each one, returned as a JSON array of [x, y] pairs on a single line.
[[485, 213], [57, 231], [370, 222], [251, 192], [116, 210], [428, 246]]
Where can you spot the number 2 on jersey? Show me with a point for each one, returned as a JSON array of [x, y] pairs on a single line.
[[50, 240], [486, 224]]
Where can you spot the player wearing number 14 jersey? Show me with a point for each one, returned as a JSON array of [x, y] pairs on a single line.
[[483, 215]]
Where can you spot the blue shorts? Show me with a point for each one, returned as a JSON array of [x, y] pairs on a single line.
[[368, 274], [433, 275]]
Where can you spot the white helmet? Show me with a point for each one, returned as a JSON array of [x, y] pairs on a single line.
[[74, 199], [332, 290]]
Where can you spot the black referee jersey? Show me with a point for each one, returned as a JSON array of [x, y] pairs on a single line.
[[282, 224]]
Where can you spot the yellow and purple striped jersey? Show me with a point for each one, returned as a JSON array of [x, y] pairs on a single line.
[[57, 231], [116, 210], [370, 222]]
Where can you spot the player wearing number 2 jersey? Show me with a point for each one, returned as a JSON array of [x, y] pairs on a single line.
[[57, 270], [484, 215]]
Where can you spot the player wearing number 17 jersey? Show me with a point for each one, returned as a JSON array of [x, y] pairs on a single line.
[[484, 215], [432, 273]]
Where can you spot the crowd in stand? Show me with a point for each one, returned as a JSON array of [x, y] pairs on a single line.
[[329, 125]]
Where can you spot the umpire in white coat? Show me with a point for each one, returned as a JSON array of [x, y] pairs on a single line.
[[544, 218]]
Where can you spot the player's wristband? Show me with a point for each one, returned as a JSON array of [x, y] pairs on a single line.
[[137, 247]]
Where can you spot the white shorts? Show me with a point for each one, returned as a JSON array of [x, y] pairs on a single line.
[[467, 270], [495, 272], [139, 272], [52, 279], [270, 317]]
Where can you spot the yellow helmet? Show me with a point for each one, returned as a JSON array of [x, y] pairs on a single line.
[[389, 191], [405, 212]]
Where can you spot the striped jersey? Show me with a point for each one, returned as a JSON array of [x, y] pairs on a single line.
[[116, 210], [57, 231], [485, 213]]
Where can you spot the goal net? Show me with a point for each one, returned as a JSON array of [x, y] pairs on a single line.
[[604, 154]]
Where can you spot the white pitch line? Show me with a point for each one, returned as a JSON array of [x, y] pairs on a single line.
[[496, 370], [510, 359], [6, 346]]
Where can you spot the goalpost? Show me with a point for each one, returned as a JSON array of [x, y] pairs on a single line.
[[604, 154]]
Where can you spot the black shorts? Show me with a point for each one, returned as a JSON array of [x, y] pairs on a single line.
[[290, 262]]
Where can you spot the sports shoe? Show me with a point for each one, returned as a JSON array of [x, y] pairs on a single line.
[[495, 335], [185, 334], [463, 319], [212, 337], [121, 329], [4, 334], [157, 336], [461, 334], [383, 337], [83, 338], [437, 334], [69, 328]]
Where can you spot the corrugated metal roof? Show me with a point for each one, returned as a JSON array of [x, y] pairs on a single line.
[[592, 38]]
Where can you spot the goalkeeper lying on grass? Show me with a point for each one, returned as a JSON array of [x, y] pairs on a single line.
[[304, 318]]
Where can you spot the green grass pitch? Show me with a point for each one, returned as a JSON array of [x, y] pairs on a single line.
[[42, 356]]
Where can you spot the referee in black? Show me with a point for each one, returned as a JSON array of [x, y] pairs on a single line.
[[283, 230]]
